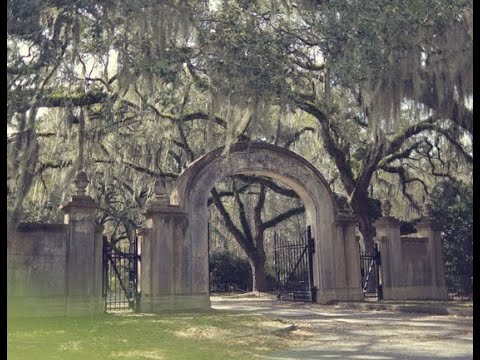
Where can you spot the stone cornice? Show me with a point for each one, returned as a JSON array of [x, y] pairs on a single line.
[[80, 201], [429, 222], [26, 227], [155, 208]]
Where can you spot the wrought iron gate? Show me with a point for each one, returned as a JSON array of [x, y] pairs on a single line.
[[294, 268], [120, 275], [370, 274]]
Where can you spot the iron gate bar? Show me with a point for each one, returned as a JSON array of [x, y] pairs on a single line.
[[367, 278], [311, 251], [115, 269], [370, 274], [294, 268], [104, 268], [120, 276]]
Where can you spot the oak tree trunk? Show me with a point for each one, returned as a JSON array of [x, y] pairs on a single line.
[[365, 222], [258, 273]]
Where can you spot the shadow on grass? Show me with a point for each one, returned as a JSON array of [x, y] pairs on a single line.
[[187, 335]]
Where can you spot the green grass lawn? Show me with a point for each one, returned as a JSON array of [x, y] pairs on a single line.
[[201, 335]]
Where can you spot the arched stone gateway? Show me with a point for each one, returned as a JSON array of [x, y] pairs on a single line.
[[174, 271], [56, 269]]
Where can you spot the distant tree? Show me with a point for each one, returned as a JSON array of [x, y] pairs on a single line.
[[250, 233]]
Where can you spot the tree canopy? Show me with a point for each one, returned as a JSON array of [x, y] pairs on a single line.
[[132, 90]]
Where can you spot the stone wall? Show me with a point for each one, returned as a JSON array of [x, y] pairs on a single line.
[[416, 263], [37, 268], [412, 266], [56, 269]]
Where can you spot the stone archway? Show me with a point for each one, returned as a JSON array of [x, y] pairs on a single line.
[[175, 251]]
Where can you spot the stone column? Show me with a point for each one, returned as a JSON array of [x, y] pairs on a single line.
[[347, 277], [84, 253], [390, 247], [162, 249], [430, 229]]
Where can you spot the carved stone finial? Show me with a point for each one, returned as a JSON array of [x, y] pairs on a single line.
[[427, 209], [81, 182], [386, 207], [161, 196]]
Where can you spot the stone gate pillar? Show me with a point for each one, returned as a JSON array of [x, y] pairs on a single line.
[[430, 229], [84, 253], [390, 247], [162, 261], [347, 259]]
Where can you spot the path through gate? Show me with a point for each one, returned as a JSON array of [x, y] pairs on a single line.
[[120, 275], [294, 267], [370, 274]]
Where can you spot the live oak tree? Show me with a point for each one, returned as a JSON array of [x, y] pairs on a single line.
[[399, 74], [386, 83], [93, 61]]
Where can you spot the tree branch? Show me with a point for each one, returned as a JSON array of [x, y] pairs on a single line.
[[239, 236], [283, 216], [57, 100], [398, 140], [297, 135], [455, 143], [257, 211], [223, 194], [404, 176], [401, 172], [269, 183], [242, 215], [403, 155], [332, 148]]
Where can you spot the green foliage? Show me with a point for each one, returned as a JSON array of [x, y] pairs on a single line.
[[374, 208], [229, 272], [391, 50], [452, 207], [373, 205], [408, 227]]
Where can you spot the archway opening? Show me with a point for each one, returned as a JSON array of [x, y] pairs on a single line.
[[256, 226]]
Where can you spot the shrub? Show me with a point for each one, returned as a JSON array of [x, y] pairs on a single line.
[[229, 272], [452, 207]]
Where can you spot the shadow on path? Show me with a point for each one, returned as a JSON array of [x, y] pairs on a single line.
[[327, 332]]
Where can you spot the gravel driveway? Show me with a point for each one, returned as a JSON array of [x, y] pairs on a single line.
[[328, 332]]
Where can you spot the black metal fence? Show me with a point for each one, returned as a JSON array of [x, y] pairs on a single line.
[[370, 274], [120, 280], [294, 268]]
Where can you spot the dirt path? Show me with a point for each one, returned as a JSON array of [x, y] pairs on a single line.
[[327, 332]]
